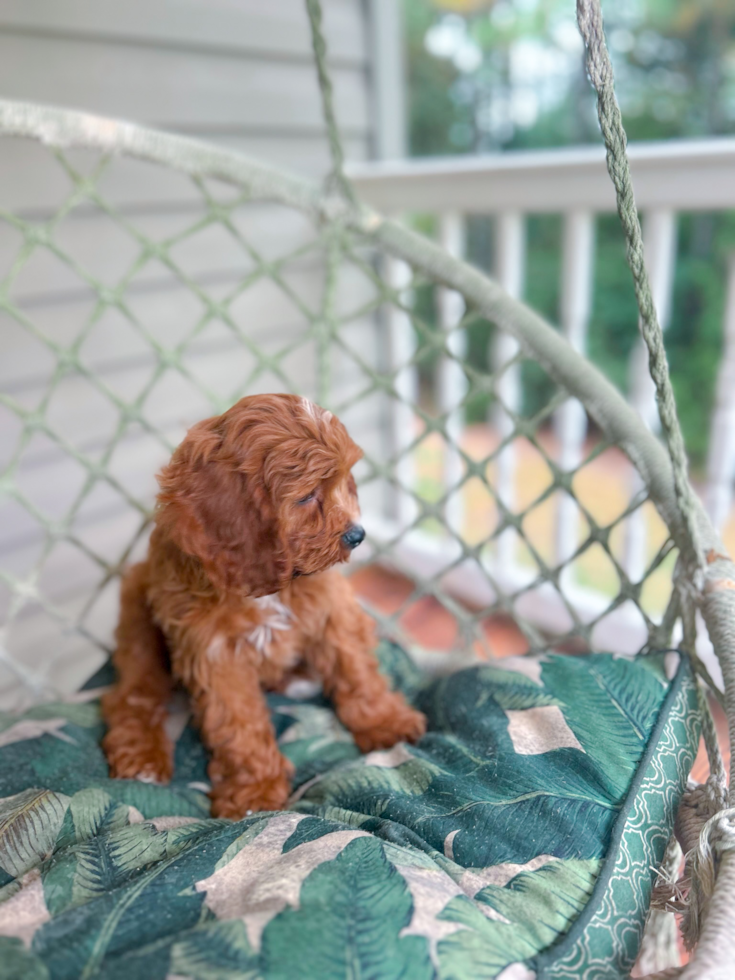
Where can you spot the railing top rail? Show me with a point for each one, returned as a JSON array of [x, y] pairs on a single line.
[[684, 175]]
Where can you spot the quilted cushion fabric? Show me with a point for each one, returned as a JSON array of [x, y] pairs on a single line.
[[516, 840]]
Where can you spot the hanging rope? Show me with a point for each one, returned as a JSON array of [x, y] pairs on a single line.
[[589, 16], [336, 179]]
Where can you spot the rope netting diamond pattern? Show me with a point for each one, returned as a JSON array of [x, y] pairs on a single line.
[[129, 316]]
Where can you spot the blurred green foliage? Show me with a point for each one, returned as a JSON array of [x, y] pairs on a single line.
[[511, 76]]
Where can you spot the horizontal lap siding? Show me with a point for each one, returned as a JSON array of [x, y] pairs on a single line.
[[277, 28], [238, 72], [187, 91]]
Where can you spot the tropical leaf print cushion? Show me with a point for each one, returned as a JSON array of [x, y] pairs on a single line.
[[515, 841]]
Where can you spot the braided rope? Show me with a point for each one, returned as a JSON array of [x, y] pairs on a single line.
[[689, 643], [589, 16], [336, 179], [718, 772]]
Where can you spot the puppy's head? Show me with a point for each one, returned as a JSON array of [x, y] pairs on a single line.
[[263, 493]]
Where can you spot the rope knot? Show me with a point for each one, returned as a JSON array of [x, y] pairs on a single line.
[[715, 839], [720, 832]]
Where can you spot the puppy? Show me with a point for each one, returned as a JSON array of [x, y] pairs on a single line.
[[239, 592]]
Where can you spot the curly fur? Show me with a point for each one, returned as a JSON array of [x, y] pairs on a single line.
[[238, 593]]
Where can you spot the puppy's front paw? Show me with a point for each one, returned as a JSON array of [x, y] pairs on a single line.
[[239, 796], [394, 722], [148, 759]]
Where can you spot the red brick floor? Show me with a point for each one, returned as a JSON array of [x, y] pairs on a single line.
[[426, 621]]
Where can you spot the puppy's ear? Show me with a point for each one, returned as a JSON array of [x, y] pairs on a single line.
[[216, 514]]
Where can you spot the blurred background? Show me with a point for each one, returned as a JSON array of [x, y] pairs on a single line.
[[424, 78], [489, 77], [134, 301]]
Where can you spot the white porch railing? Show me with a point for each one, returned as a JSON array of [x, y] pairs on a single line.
[[669, 178]]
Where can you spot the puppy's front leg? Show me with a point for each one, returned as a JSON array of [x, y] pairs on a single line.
[[247, 771], [376, 716]]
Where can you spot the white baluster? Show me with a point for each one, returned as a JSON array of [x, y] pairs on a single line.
[[509, 270], [571, 419], [721, 456], [659, 241], [401, 349], [451, 379]]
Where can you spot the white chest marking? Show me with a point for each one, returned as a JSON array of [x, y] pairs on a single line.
[[275, 616]]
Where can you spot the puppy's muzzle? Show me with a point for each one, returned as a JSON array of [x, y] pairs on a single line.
[[353, 536]]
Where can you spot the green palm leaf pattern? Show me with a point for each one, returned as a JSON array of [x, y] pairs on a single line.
[[16, 963], [548, 900], [480, 847], [353, 910], [29, 824], [90, 869], [505, 806], [216, 951], [91, 812]]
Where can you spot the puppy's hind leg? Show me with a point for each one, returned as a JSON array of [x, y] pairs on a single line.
[[136, 743]]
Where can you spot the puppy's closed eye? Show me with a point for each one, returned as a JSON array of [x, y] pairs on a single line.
[[308, 498]]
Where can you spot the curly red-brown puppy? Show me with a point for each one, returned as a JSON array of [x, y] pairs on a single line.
[[238, 591]]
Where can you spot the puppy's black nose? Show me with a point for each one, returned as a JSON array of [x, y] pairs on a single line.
[[353, 536]]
